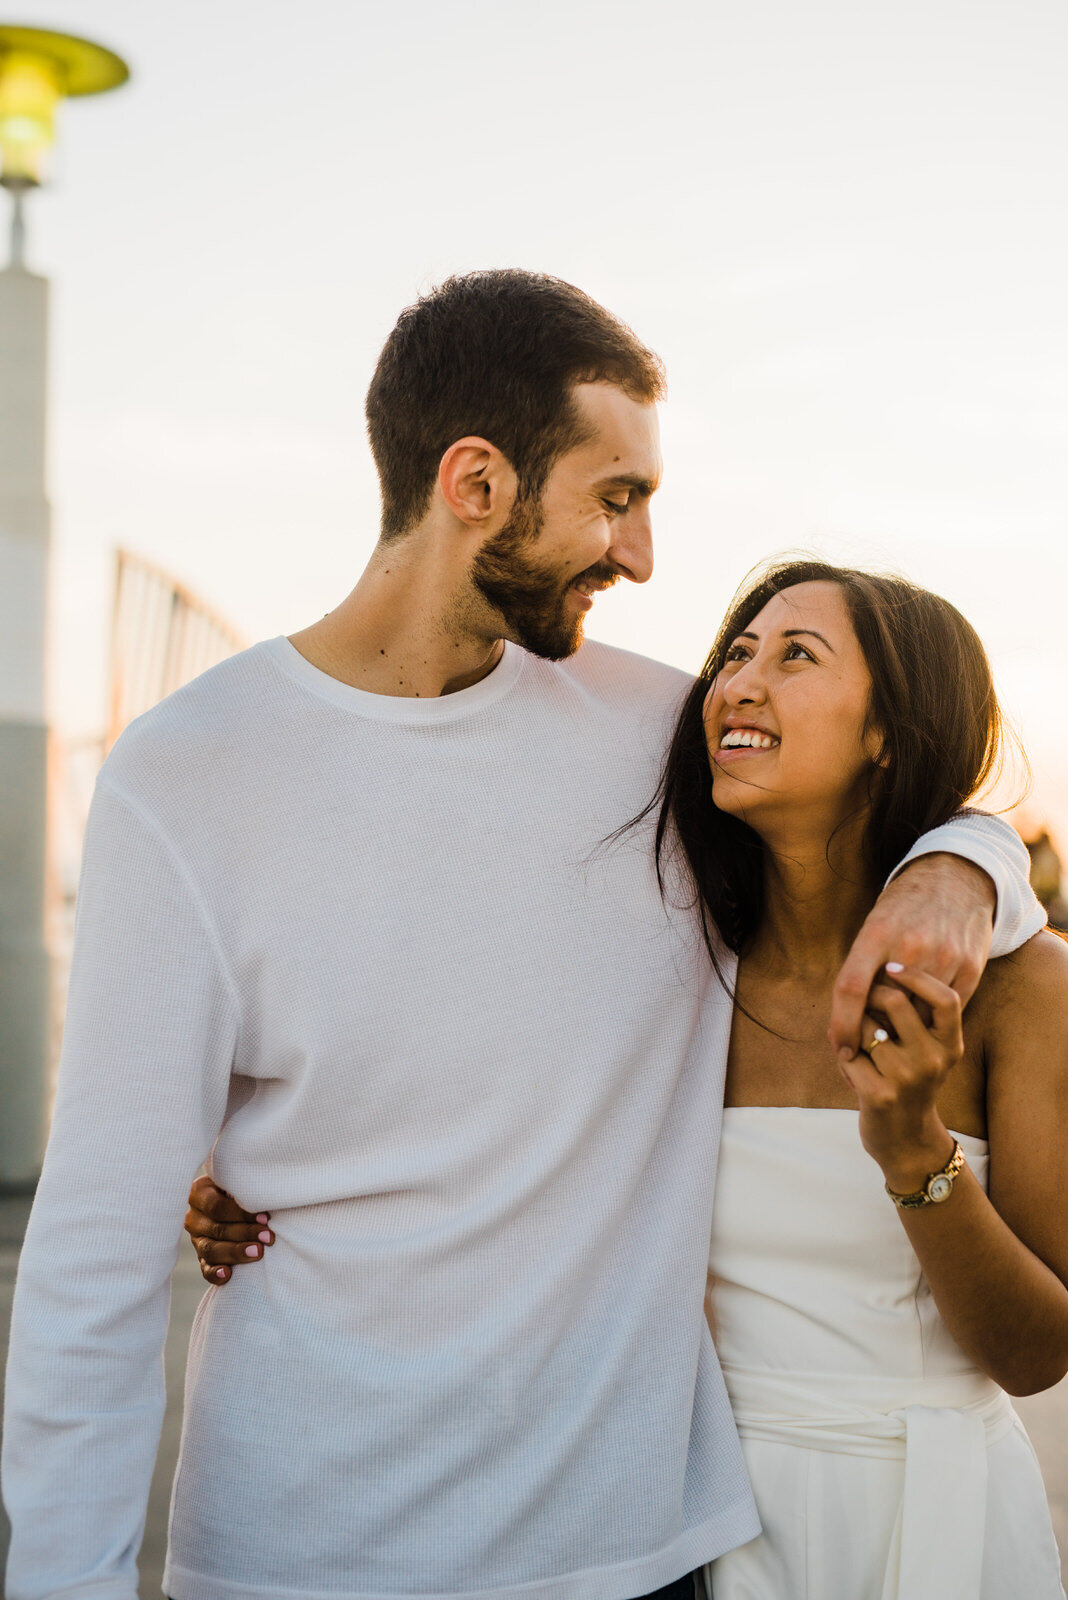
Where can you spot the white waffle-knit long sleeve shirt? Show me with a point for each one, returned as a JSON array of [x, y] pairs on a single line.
[[371, 953]]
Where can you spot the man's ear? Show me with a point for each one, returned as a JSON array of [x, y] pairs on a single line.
[[476, 481]]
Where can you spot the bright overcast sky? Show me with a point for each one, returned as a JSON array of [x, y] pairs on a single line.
[[843, 225]]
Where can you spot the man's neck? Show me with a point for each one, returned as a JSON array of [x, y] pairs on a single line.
[[409, 628]]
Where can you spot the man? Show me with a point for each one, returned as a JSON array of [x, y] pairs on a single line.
[[344, 924]]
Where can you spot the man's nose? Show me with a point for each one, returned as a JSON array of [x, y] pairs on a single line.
[[631, 550]]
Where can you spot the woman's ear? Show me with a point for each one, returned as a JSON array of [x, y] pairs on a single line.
[[876, 746]]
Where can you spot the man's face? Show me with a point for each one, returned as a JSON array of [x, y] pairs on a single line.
[[590, 527]]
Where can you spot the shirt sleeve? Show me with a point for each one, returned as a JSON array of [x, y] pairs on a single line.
[[149, 1041], [996, 847]]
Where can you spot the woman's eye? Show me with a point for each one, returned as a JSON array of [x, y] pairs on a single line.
[[737, 652], [795, 652]]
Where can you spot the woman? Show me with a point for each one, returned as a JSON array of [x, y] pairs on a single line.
[[867, 1344]]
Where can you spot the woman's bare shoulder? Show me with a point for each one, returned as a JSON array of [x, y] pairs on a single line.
[[1027, 988], [1042, 960]]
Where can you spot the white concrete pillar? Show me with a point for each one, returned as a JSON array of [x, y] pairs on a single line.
[[24, 539]]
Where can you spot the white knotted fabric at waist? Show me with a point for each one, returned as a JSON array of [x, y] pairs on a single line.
[[942, 1427]]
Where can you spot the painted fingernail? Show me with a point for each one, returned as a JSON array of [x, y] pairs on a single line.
[[263, 1216], [221, 1272], [252, 1249], [265, 1236], [895, 966]]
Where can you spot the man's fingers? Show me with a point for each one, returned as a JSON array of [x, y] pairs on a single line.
[[937, 916], [966, 978], [850, 998]]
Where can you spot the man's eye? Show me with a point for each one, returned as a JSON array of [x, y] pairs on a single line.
[[614, 505]]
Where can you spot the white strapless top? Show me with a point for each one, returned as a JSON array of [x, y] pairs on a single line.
[[832, 1346], [813, 1269]]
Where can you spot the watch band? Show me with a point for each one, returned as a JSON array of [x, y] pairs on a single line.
[[937, 1187]]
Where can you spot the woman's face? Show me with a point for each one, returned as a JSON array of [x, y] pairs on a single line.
[[787, 719]]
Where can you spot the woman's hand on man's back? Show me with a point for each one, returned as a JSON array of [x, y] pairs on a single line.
[[224, 1236]]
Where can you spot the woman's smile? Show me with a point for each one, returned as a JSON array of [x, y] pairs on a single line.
[[747, 736]]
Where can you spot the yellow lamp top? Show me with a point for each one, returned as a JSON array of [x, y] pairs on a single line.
[[39, 68]]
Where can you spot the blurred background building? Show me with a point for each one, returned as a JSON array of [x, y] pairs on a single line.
[[161, 634], [1047, 878], [38, 69]]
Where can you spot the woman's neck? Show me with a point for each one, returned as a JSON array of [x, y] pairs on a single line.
[[816, 896]]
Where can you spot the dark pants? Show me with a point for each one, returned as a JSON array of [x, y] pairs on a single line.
[[682, 1589]]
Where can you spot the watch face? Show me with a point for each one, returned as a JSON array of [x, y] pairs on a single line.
[[940, 1188]]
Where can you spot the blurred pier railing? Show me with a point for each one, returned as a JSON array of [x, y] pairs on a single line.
[[162, 635]]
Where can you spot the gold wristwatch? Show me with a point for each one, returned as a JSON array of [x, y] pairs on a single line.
[[939, 1185]]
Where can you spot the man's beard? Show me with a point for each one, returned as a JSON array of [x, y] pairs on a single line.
[[530, 595]]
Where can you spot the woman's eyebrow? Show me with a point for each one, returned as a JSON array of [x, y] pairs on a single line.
[[791, 633]]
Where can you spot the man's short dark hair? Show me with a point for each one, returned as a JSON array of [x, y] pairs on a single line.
[[494, 354]]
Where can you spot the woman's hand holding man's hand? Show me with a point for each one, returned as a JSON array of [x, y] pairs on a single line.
[[911, 1039], [938, 916]]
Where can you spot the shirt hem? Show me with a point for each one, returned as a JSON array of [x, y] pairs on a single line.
[[734, 1526]]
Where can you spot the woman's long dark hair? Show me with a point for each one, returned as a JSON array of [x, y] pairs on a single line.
[[932, 700]]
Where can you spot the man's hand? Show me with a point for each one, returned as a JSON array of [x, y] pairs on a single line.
[[938, 916], [223, 1235]]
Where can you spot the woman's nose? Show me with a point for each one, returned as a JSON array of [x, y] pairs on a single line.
[[744, 687]]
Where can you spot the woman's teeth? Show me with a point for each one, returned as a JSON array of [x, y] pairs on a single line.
[[746, 739]]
